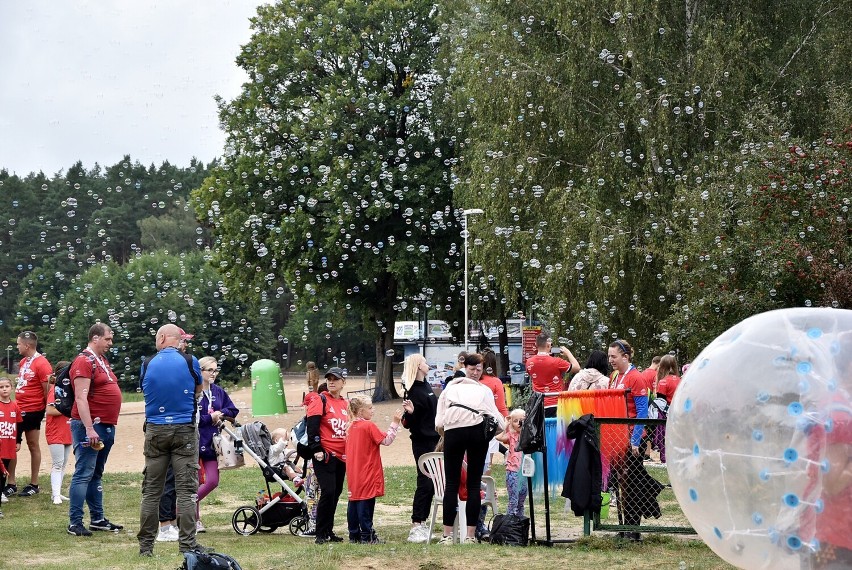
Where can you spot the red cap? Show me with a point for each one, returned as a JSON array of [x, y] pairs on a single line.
[[185, 335]]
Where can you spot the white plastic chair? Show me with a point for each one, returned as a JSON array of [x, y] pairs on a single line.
[[432, 465], [490, 499]]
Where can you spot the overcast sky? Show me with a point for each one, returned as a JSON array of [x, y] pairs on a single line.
[[95, 80]]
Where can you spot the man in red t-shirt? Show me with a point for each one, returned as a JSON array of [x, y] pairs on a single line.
[[31, 395], [547, 372], [97, 403], [649, 375]]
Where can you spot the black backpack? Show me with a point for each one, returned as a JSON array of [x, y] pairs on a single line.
[[63, 390], [198, 560]]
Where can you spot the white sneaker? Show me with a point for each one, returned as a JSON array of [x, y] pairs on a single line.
[[199, 527], [4, 498], [64, 498], [418, 534], [167, 533], [57, 500]]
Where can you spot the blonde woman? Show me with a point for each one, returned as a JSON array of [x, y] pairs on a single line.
[[214, 406], [419, 418]]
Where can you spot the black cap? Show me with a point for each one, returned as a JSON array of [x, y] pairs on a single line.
[[336, 372]]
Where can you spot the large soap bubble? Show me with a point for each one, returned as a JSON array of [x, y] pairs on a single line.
[[759, 441]]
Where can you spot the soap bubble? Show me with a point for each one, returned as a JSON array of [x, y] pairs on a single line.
[[751, 434]]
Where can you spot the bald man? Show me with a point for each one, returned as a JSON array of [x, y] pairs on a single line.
[[171, 382]]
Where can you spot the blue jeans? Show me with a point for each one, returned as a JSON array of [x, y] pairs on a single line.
[[86, 485], [359, 517]]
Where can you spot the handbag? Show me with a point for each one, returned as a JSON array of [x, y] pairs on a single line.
[[229, 455], [489, 424]]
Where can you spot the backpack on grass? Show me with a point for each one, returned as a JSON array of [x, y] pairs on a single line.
[[197, 560]]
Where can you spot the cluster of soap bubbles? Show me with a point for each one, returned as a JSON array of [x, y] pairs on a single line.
[[753, 436]]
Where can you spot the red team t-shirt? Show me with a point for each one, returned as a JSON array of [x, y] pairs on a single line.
[[29, 391], [365, 476], [632, 380], [546, 373], [104, 393], [667, 386], [57, 429], [332, 429], [10, 415]]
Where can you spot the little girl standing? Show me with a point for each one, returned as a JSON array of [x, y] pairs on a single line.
[[10, 415], [57, 431], [516, 490], [365, 475]]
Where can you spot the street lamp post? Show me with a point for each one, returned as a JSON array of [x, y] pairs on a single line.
[[466, 213]]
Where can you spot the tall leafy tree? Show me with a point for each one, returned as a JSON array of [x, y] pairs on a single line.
[[336, 176]]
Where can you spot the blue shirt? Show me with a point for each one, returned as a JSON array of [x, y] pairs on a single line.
[[169, 388]]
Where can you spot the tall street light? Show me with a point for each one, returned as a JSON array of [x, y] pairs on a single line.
[[467, 213]]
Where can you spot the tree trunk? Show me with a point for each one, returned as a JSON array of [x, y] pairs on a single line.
[[385, 388], [503, 346]]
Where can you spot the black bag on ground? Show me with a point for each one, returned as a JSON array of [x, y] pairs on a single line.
[[197, 560], [510, 530]]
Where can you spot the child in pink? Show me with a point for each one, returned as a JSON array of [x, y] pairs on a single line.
[[57, 431], [515, 486], [10, 415], [365, 476]]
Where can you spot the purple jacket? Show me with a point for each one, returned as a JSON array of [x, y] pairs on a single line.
[[206, 430]]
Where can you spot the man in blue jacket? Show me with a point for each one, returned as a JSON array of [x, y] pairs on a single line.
[[171, 382]]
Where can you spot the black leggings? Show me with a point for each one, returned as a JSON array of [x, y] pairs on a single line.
[[422, 503], [457, 442], [330, 476]]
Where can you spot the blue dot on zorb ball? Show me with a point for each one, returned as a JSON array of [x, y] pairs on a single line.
[[757, 435], [693, 495], [814, 333], [795, 409], [757, 518], [791, 500], [717, 532], [696, 450], [687, 405], [790, 455], [762, 397], [794, 542], [804, 367], [764, 475], [819, 505]]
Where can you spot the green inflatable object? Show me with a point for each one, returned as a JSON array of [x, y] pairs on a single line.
[[267, 389]]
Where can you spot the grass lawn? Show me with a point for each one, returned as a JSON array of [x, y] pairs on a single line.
[[34, 537]]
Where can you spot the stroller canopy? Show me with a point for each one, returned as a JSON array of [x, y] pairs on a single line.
[[256, 437]]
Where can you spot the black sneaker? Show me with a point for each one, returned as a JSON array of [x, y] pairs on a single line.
[[105, 525], [78, 530], [29, 491], [10, 490], [334, 538]]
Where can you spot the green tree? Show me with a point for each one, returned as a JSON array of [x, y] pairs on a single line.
[[336, 179]]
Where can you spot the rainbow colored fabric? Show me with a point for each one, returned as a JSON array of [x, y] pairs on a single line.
[[572, 405]]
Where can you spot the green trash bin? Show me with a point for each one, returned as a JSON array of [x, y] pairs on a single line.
[[267, 389]]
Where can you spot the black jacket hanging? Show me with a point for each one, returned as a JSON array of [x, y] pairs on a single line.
[[583, 477], [532, 431]]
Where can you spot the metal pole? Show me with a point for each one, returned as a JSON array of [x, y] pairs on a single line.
[[465, 214]]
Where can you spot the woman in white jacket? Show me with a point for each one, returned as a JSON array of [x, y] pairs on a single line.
[[463, 434]]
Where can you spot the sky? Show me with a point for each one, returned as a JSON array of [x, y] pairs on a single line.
[[96, 80]]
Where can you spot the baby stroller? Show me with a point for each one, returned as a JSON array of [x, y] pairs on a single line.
[[272, 510]]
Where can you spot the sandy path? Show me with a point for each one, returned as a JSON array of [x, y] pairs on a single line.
[[126, 454]]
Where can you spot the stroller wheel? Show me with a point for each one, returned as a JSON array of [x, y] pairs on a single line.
[[298, 525], [246, 521]]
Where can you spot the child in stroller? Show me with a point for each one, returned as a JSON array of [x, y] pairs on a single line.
[[271, 509]]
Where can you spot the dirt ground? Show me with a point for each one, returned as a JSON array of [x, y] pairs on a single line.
[[126, 455]]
